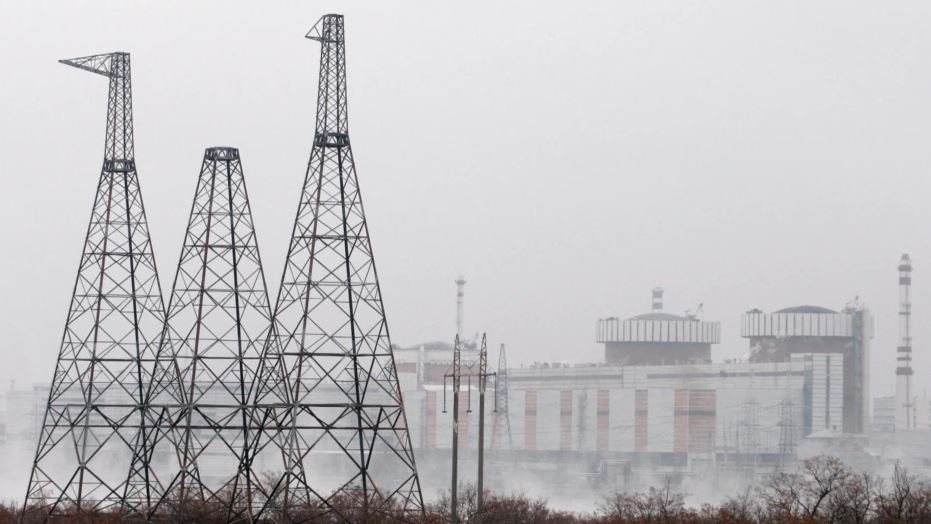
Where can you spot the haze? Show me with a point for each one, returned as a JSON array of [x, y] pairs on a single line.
[[565, 158]]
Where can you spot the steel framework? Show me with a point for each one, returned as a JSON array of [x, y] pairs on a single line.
[[93, 419], [501, 421], [328, 399], [217, 325], [478, 370]]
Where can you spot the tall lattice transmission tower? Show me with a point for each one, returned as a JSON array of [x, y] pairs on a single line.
[[330, 389], [218, 322], [93, 419], [750, 424], [788, 426], [502, 421]]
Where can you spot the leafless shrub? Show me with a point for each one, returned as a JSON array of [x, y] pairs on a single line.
[[741, 509], [516, 508], [520, 509], [656, 505]]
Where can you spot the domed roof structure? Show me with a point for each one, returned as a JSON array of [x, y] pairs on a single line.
[[657, 337], [806, 309]]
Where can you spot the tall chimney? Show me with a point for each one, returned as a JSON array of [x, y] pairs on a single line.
[[904, 398], [460, 285], [657, 299]]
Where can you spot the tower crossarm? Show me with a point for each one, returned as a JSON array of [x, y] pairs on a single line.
[[103, 64], [322, 31]]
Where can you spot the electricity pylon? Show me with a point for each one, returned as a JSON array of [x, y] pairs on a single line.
[[502, 421], [478, 370], [328, 398], [93, 419], [218, 321]]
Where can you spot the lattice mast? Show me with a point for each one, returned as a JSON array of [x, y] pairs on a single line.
[[218, 322], [343, 431], [501, 421], [788, 426], [751, 426], [93, 420]]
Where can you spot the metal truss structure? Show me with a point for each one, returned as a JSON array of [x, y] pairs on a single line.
[[217, 325], [502, 421], [93, 420], [328, 400]]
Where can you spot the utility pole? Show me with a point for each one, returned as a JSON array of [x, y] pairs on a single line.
[[456, 376], [482, 379]]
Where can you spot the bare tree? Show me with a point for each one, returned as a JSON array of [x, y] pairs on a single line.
[[804, 494], [907, 499], [827, 475], [781, 495], [854, 501]]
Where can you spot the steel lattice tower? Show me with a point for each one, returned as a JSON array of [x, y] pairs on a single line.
[[93, 421], [501, 421], [218, 322], [329, 396], [788, 426]]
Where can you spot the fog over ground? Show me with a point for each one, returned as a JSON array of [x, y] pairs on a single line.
[[564, 157]]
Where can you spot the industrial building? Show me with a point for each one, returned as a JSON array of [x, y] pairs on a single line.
[[841, 338], [657, 337], [657, 403]]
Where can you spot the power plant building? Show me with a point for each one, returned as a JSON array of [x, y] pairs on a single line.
[[840, 339], [657, 338], [657, 401]]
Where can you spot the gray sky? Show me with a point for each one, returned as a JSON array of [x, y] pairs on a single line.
[[565, 159]]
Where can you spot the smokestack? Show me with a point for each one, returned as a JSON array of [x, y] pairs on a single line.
[[460, 285], [657, 299], [904, 399]]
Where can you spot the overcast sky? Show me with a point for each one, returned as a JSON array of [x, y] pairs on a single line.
[[564, 157]]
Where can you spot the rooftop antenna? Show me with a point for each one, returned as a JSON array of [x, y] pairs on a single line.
[[693, 313]]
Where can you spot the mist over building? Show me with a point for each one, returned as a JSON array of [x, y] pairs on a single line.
[[657, 406]]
